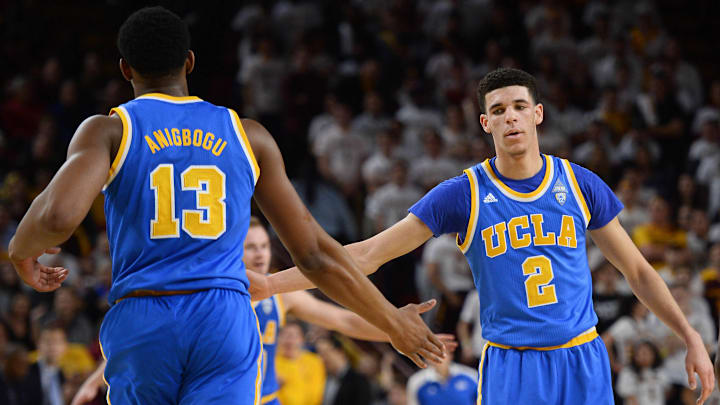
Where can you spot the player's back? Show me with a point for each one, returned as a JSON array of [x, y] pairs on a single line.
[[177, 201]]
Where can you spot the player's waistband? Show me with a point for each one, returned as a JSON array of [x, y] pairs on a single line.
[[267, 398], [584, 337], [153, 293]]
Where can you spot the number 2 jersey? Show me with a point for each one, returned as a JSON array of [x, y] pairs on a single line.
[[177, 199], [525, 243]]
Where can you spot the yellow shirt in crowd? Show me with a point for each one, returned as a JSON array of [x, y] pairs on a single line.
[[302, 381]]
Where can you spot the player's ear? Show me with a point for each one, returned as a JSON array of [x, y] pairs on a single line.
[[484, 123], [189, 62], [125, 69], [539, 113]]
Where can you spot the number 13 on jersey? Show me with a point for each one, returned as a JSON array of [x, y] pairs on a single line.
[[208, 183]]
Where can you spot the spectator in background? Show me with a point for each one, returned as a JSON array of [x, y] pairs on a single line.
[[301, 374], [17, 321], [449, 273], [389, 203], [643, 383], [432, 167], [710, 276], [672, 346], [52, 345], [262, 82], [444, 383], [24, 385], [340, 152], [658, 234], [608, 297], [626, 331], [67, 312], [344, 385], [377, 168], [634, 212], [373, 120], [471, 345]]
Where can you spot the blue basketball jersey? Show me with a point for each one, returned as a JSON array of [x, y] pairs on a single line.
[[528, 257], [177, 199], [271, 317]]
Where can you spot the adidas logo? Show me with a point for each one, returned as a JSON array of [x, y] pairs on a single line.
[[489, 198]]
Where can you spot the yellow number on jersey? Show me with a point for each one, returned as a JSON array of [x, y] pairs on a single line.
[[538, 289], [270, 334], [212, 199], [165, 225], [208, 182]]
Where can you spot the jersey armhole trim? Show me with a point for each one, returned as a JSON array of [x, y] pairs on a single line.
[[472, 221], [577, 192], [245, 143], [280, 306], [124, 144]]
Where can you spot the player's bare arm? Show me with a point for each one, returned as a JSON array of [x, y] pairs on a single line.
[[401, 238], [647, 285], [325, 262], [61, 207], [89, 389]]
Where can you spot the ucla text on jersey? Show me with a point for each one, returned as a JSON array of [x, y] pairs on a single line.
[[528, 258]]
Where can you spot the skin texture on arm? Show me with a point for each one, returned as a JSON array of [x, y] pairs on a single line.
[[652, 291], [61, 207], [325, 262], [402, 238], [312, 310]]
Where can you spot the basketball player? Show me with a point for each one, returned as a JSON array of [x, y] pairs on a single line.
[[178, 174], [522, 220], [271, 314]]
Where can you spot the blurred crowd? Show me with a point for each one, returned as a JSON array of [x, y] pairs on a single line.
[[372, 104]]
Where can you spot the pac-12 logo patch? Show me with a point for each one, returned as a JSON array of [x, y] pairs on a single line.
[[560, 192]]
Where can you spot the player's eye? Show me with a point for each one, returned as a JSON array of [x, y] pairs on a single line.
[[521, 107], [499, 111]]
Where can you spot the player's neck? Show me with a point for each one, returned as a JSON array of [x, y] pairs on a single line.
[[170, 86], [520, 166]]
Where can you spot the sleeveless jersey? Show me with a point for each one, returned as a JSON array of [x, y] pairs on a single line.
[[177, 199], [271, 317], [528, 257]]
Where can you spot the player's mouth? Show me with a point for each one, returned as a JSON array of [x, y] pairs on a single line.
[[513, 133]]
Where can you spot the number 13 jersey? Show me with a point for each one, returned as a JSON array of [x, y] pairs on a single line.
[[177, 198]]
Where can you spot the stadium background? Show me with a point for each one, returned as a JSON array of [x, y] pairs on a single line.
[[372, 103]]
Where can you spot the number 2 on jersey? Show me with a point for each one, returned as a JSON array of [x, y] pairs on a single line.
[[208, 182], [538, 289]]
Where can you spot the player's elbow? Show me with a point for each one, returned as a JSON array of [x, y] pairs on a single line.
[[56, 219]]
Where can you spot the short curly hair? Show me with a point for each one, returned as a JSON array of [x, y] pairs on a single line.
[[504, 77], [154, 41]]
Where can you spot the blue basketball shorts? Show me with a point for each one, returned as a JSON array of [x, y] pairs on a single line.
[[199, 348], [577, 375]]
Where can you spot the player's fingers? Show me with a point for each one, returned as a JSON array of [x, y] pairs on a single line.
[[708, 384], [448, 341], [426, 306], [691, 377], [437, 345], [417, 360], [430, 356]]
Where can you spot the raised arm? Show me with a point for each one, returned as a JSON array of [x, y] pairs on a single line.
[[647, 285], [61, 207], [324, 261], [403, 237]]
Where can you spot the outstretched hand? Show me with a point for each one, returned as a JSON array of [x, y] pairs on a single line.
[[38, 276], [413, 338]]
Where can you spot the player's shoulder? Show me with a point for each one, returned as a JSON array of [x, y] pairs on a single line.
[[584, 176]]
